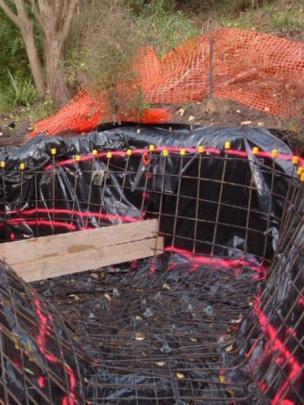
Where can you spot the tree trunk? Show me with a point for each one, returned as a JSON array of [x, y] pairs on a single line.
[[34, 60], [54, 75]]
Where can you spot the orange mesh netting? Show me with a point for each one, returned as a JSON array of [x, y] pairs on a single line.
[[259, 70]]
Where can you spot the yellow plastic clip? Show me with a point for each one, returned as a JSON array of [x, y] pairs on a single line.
[[223, 379], [300, 171], [228, 145], [302, 178], [53, 151], [201, 149], [94, 152], [129, 152], [109, 155], [165, 153], [182, 152], [77, 158], [275, 153], [22, 166], [295, 160], [2, 164], [255, 150], [152, 148]]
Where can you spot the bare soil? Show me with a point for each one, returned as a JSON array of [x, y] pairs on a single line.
[[13, 129]]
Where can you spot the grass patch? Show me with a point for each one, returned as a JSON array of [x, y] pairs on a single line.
[[5, 102], [163, 29], [280, 17], [41, 110]]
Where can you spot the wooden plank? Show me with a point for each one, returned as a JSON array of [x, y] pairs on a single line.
[[88, 260], [63, 254], [48, 246]]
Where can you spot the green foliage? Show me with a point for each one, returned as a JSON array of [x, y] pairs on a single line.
[[12, 51], [41, 110], [163, 29], [287, 20], [141, 6], [21, 91], [5, 102], [275, 17], [15, 78]]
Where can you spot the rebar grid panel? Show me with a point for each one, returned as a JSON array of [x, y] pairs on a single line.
[[126, 189], [40, 362], [216, 319]]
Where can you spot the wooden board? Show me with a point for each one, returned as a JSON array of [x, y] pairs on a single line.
[[57, 255]]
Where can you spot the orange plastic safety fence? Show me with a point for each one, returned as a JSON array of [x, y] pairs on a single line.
[[259, 70]]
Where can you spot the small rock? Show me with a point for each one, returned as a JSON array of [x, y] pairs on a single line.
[[139, 336], [246, 122], [148, 313], [229, 349], [208, 310], [181, 112], [107, 297], [165, 348]]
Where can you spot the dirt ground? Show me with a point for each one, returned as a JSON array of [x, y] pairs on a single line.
[[13, 128], [229, 113]]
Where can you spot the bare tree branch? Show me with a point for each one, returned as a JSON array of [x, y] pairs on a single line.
[[45, 11], [20, 5], [35, 11], [69, 19], [9, 12], [59, 4]]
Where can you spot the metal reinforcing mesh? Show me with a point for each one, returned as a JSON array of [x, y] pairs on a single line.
[[214, 320], [258, 70]]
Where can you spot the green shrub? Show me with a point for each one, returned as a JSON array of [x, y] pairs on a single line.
[[12, 51], [286, 21], [163, 29], [21, 91], [105, 40], [101, 48]]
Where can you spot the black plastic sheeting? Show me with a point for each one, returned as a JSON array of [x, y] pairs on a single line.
[[36, 153]]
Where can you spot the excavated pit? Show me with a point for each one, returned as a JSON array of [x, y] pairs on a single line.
[[216, 319]]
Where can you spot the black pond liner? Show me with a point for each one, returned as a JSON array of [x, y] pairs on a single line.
[[216, 319]]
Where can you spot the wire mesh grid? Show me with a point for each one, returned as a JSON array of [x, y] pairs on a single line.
[[217, 318]]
